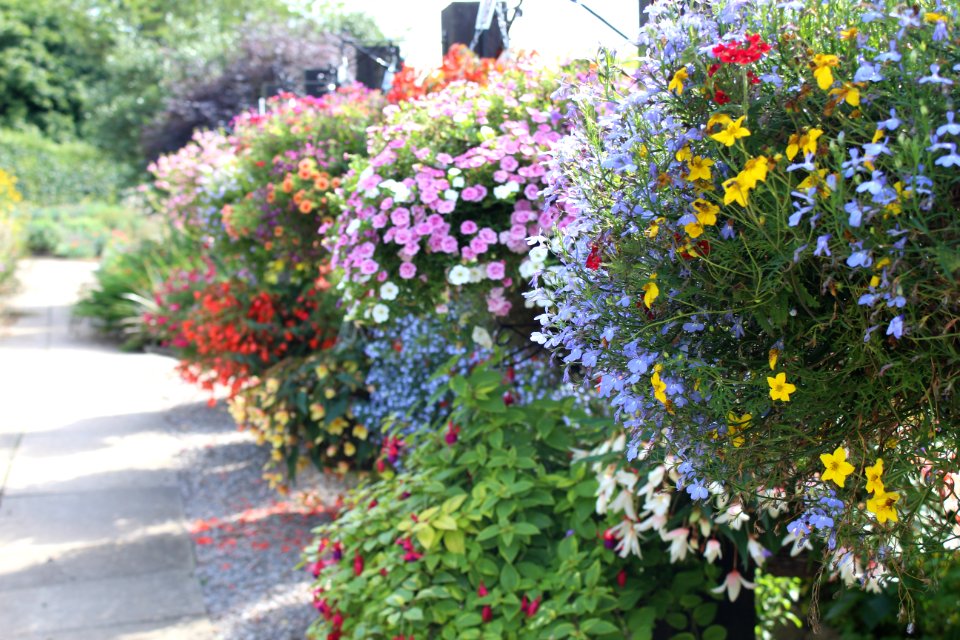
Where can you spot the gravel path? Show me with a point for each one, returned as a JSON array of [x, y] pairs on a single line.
[[247, 537]]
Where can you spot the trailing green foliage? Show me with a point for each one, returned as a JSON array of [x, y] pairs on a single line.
[[489, 531]]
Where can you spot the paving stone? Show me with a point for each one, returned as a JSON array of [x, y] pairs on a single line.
[[55, 610]]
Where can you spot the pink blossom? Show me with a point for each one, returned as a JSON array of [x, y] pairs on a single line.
[[386, 204], [546, 220], [402, 236], [407, 270], [382, 276], [471, 194], [449, 244], [368, 267], [488, 235], [428, 196], [435, 221], [509, 163], [400, 217], [445, 206], [468, 227], [496, 270], [531, 191], [467, 253], [478, 246], [501, 176], [444, 158]]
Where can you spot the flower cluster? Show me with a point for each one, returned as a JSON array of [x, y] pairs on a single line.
[[226, 332], [460, 63], [765, 252], [305, 408], [448, 197]]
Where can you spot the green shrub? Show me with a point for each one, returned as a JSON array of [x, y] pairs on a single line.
[[80, 231], [125, 282], [488, 530], [59, 172]]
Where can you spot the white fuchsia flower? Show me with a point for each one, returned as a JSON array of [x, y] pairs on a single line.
[[732, 585], [712, 550]]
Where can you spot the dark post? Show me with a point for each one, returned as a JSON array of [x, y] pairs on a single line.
[[317, 82], [457, 22], [370, 71]]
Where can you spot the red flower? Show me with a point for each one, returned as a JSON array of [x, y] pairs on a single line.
[[622, 578], [745, 52], [720, 97], [593, 260], [453, 431], [357, 564], [713, 69]]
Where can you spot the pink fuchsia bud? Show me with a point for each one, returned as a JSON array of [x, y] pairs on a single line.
[[508, 398], [487, 614], [482, 590], [453, 431], [622, 578], [533, 607], [357, 564]]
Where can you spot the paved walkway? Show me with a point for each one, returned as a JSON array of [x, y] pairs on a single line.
[[92, 538]]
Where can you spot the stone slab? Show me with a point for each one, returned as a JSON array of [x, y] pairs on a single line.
[[56, 611], [190, 629]]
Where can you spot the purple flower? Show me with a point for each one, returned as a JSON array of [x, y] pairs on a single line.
[[468, 227], [935, 77], [895, 328], [859, 258], [407, 270], [950, 127], [495, 270], [823, 245]]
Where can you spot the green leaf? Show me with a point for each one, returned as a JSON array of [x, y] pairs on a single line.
[[677, 620], [444, 522], [509, 577], [525, 528], [454, 542], [598, 626], [427, 536], [641, 622], [686, 635], [705, 613], [454, 503], [488, 533], [414, 614], [459, 385], [689, 600], [715, 632]]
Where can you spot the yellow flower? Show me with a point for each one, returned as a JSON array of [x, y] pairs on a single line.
[[780, 389], [874, 483], [836, 467], [772, 358], [753, 172], [684, 154], [718, 118], [849, 34], [329, 393], [731, 132], [349, 448], [322, 371], [360, 432], [337, 426], [699, 169], [735, 191], [882, 505], [654, 228], [650, 292], [659, 387], [706, 217], [847, 92], [932, 17], [806, 142], [676, 84], [736, 425], [816, 179], [317, 412], [822, 64]]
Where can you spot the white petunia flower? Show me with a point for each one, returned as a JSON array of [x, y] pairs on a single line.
[[380, 313], [389, 291], [459, 275], [539, 254]]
